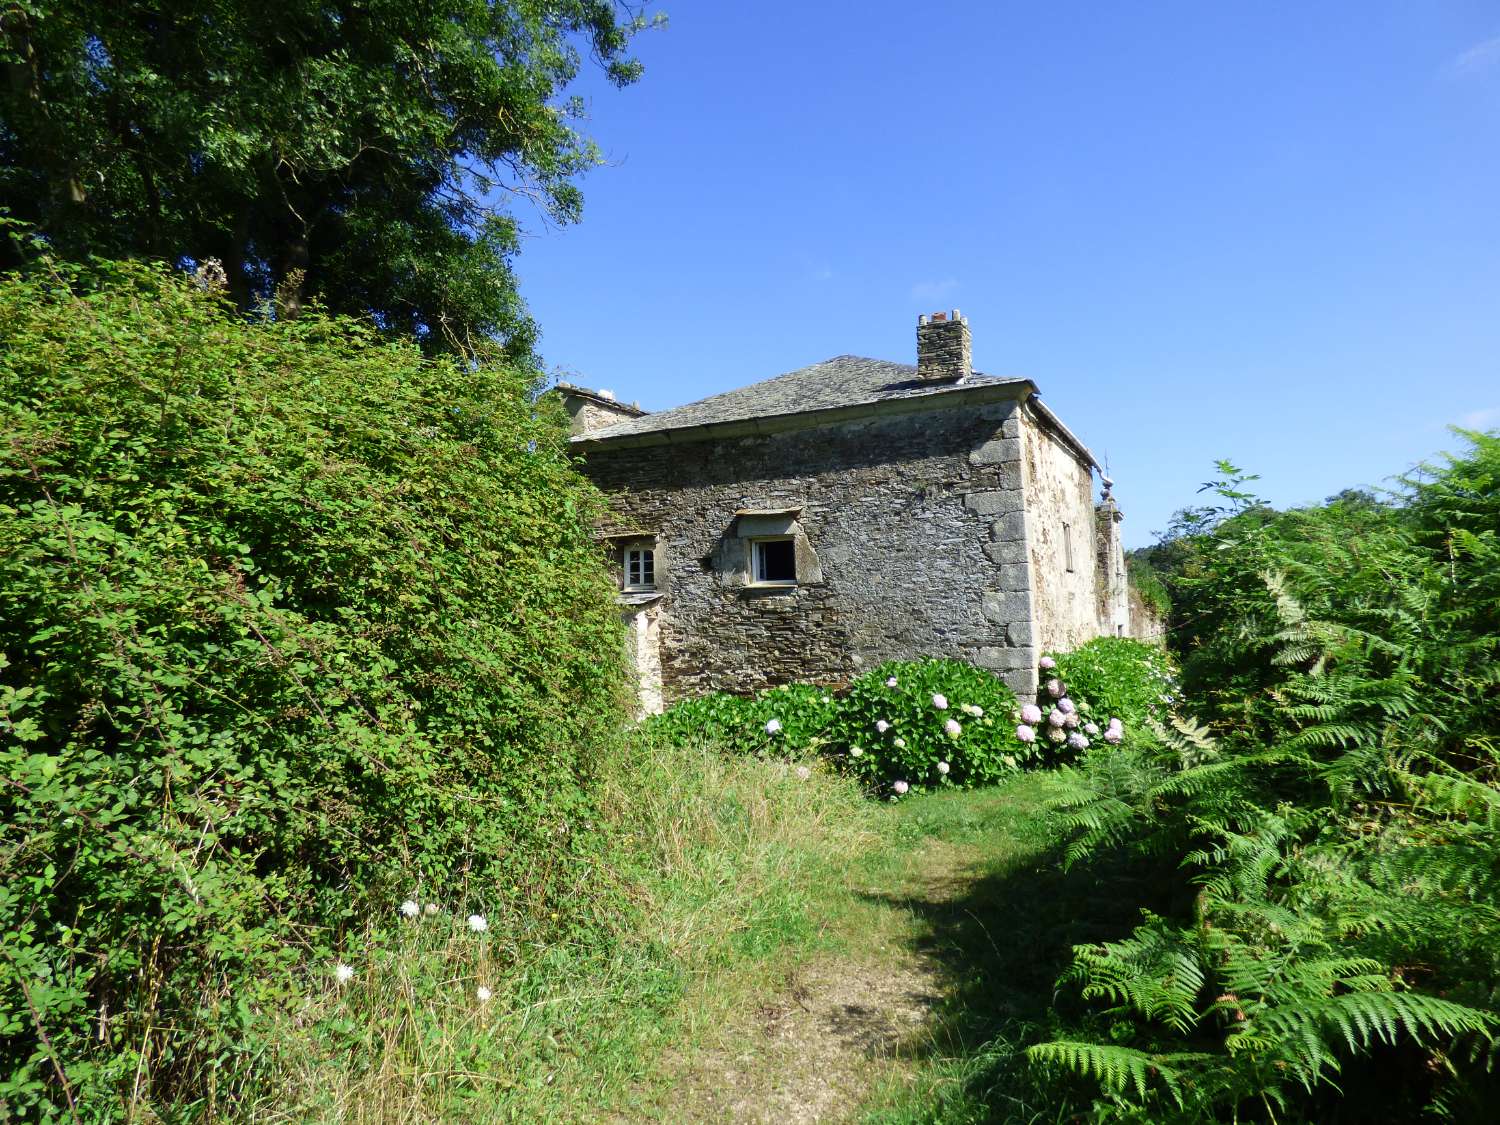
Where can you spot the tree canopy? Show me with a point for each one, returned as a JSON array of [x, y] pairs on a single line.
[[362, 154]]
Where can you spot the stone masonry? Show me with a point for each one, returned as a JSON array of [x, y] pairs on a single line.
[[911, 528], [931, 511]]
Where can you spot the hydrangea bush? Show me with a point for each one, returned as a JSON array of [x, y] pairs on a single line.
[[923, 724], [1119, 677]]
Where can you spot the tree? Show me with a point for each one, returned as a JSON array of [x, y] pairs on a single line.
[[359, 153]]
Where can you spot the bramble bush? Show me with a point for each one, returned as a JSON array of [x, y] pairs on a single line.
[[295, 622]]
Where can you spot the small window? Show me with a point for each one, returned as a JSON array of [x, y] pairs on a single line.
[[640, 568], [1068, 546], [775, 561]]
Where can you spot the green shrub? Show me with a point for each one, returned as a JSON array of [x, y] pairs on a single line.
[[891, 714], [296, 621], [1119, 677]]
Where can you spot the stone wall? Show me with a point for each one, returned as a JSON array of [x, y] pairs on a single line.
[[1060, 537], [910, 542], [590, 411], [1111, 587]]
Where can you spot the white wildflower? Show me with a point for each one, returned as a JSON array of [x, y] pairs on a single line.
[[477, 923], [773, 727], [410, 908], [942, 768], [891, 682], [826, 699], [343, 973], [483, 994], [430, 909], [900, 787], [900, 744], [803, 772]]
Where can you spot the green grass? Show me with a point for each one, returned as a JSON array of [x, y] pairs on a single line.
[[718, 879], [1002, 936], [713, 876]]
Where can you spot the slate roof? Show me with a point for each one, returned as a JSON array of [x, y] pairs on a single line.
[[846, 380]]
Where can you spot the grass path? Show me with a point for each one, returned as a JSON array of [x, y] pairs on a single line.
[[949, 936]]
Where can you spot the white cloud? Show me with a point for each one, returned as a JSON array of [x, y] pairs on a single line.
[[1480, 419], [933, 290], [1477, 59]]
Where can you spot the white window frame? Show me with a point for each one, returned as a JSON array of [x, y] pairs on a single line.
[[757, 557], [645, 560]]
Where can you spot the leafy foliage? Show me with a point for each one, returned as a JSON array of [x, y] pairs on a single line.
[[1122, 677], [293, 621], [1333, 796], [361, 156]]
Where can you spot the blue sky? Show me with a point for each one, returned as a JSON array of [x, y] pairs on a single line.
[[1267, 232]]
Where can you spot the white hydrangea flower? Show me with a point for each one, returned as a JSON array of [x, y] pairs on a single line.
[[1091, 729], [900, 744], [942, 768], [882, 726], [343, 973], [891, 682], [1009, 760], [900, 787], [952, 729], [826, 699], [410, 908], [773, 727], [483, 994], [977, 711], [940, 701], [855, 752], [477, 923]]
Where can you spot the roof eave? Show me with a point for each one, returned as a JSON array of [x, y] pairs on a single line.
[[958, 395], [1068, 436]]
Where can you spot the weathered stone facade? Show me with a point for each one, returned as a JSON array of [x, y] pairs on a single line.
[[902, 541], [918, 520]]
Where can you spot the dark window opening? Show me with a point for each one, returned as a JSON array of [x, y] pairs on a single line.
[[775, 560]]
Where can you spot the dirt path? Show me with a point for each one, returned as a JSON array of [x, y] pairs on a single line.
[[840, 1026]]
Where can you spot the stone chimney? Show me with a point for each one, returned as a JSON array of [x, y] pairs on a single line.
[[943, 348], [594, 410]]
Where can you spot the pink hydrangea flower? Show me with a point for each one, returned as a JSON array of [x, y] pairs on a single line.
[[1026, 733], [1091, 729], [1076, 741], [1056, 718], [1113, 736], [1055, 688], [1065, 705], [900, 787], [1047, 663], [940, 701], [952, 729], [1071, 721], [1031, 714]]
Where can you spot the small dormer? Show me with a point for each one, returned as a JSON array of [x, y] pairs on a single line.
[[594, 410]]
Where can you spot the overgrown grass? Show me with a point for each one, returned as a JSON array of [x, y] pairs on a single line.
[[981, 876], [708, 867]]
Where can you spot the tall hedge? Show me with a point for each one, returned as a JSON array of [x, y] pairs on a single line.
[[292, 621]]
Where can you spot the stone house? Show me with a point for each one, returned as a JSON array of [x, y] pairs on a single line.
[[812, 525]]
